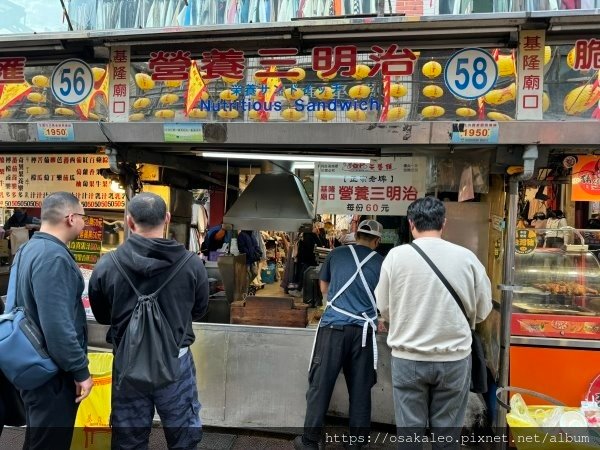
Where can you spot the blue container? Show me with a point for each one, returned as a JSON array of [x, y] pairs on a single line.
[[268, 275]]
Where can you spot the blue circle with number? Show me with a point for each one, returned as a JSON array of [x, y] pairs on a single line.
[[470, 73], [72, 81]]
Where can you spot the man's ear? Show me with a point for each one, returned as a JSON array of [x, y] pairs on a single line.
[[167, 218], [130, 223]]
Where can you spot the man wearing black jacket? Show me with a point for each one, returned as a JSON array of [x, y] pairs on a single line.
[[148, 259], [49, 284]]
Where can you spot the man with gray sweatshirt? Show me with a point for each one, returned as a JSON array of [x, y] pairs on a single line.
[[428, 333]]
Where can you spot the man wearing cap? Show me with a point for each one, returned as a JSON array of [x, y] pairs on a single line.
[[346, 337]]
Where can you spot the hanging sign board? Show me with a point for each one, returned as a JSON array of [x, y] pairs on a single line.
[[585, 179], [118, 96], [384, 187], [25, 180], [530, 70]]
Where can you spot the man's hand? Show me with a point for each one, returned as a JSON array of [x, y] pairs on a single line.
[[83, 389]]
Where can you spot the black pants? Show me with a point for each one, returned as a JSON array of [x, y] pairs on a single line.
[[340, 347], [50, 411]]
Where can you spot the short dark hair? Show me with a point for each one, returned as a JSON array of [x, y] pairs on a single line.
[[366, 236], [147, 210], [57, 205], [427, 213]]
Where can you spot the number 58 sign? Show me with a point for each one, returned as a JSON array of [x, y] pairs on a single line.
[[470, 73], [72, 81]]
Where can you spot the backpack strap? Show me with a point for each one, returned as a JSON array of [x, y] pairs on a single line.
[[169, 278]]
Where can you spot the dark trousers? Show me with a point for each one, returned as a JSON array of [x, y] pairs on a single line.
[[340, 347], [177, 405], [50, 413]]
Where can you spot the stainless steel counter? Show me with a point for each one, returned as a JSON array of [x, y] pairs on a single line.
[[252, 376], [554, 342]]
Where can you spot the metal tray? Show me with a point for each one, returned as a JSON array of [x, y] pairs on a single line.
[[542, 308]]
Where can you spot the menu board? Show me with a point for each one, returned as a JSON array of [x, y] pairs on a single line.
[[25, 180], [86, 248]]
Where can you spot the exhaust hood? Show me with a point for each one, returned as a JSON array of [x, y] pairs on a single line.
[[274, 200]]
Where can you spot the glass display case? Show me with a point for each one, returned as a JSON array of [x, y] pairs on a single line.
[[557, 294]]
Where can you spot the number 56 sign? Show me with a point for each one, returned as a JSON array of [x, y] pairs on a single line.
[[470, 73], [72, 81]]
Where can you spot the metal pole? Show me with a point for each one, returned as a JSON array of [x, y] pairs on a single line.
[[380, 7], [507, 297]]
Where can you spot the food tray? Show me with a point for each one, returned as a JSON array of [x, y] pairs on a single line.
[[542, 308]]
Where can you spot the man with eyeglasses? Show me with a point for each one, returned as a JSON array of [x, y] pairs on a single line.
[[49, 284]]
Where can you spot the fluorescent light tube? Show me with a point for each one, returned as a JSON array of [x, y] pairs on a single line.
[[275, 157]]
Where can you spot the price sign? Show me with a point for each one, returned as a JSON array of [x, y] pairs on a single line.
[[55, 131], [474, 133], [72, 81], [470, 73]]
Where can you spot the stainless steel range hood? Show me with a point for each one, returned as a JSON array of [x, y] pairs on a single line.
[[274, 200]]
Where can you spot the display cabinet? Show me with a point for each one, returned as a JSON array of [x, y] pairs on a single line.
[[557, 294]]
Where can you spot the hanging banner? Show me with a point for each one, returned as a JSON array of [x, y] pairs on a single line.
[[530, 74], [384, 187], [26, 180], [585, 179]]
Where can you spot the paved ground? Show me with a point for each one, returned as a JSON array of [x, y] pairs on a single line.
[[219, 439]]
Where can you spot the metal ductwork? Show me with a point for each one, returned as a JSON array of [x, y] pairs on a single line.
[[274, 200]]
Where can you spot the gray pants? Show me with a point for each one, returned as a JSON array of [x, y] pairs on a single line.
[[430, 395]]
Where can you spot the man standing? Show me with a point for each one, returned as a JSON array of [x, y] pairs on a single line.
[[49, 284], [346, 337], [428, 333], [148, 259]]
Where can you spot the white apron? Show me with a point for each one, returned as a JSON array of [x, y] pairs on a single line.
[[367, 321]]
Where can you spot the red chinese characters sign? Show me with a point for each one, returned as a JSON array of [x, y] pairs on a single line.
[[12, 70], [86, 248], [383, 187], [25, 180], [530, 70], [279, 62], [587, 55]]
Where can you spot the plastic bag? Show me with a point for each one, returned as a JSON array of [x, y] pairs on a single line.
[[465, 189], [92, 424], [18, 237]]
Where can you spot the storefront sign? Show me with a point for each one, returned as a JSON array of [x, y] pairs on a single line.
[[12, 70], [526, 241], [72, 81], [25, 180], [86, 248], [530, 71], [183, 132], [474, 133], [55, 131], [587, 54], [585, 179], [118, 91], [385, 187], [470, 73]]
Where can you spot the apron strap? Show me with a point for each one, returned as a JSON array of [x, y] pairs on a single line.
[[367, 321]]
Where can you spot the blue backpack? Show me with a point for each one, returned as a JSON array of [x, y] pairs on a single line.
[[23, 358]]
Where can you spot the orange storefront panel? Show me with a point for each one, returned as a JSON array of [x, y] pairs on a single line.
[[562, 373]]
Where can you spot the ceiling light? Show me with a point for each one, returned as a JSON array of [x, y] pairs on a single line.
[[303, 165], [274, 157]]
